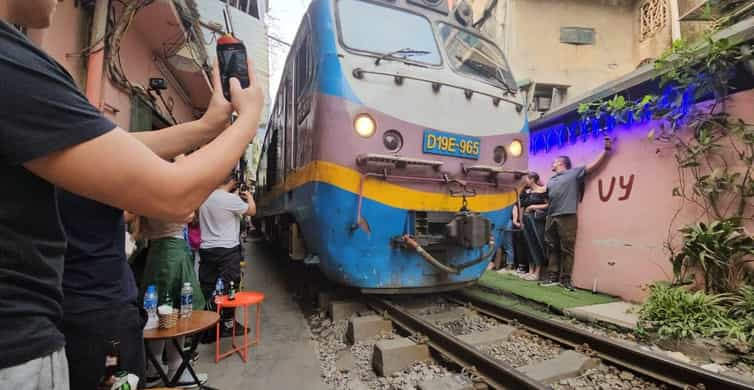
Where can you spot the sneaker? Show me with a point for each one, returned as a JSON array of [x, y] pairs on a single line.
[[152, 377], [550, 280], [186, 381], [566, 284], [153, 381], [228, 331]]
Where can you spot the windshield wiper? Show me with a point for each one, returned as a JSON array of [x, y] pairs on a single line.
[[485, 70], [407, 52], [500, 76]]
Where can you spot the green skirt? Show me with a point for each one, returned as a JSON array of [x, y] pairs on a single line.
[[168, 266]]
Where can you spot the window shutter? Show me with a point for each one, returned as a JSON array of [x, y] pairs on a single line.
[[577, 35]]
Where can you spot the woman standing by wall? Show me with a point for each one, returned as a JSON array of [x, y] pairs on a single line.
[[534, 204]]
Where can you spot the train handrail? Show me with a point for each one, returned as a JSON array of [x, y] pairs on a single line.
[[396, 161], [491, 170], [358, 73]]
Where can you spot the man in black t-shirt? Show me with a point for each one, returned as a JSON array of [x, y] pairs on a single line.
[[50, 136], [101, 301]]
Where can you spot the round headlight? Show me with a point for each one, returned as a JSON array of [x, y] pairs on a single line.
[[364, 125], [499, 155], [516, 148], [392, 140]]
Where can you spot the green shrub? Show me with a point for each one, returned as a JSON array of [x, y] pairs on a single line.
[[676, 313], [720, 249]]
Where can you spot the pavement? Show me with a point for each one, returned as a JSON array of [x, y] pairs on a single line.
[[285, 357], [580, 304], [622, 314]]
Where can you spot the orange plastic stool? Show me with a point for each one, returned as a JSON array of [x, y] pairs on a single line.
[[243, 299]]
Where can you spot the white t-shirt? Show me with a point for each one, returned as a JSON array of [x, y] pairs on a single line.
[[220, 219]]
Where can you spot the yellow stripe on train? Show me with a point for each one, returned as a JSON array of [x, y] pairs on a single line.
[[384, 192]]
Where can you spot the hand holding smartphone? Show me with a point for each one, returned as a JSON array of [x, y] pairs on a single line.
[[231, 55]]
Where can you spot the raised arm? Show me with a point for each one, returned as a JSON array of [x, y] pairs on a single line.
[[119, 170], [591, 167], [252, 210], [172, 141]]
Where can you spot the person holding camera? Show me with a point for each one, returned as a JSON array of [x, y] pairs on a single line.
[[220, 252], [53, 139]]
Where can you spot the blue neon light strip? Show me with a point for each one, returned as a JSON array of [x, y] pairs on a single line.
[[584, 128]]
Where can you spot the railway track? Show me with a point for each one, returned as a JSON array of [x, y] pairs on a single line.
[[499, 375]]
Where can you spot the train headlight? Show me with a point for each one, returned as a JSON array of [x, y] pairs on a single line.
[[393, 140], [364, 125], [499, 155], [516, 148]]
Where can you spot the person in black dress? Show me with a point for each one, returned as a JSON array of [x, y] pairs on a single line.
[[534, 204]]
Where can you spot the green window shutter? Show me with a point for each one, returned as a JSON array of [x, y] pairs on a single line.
[[141, 114], [577, 35]]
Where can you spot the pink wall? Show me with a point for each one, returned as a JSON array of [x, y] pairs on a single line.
[[66, 37], [620, 238], [139, 65]]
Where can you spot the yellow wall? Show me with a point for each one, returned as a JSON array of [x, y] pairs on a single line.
[[536, 52]]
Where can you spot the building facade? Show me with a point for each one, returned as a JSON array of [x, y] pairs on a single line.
[[629, 215], [561, 49], [144, 74]]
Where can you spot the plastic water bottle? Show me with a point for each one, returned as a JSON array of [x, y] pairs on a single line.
[[150, 305], [219, 287], [187, 300]]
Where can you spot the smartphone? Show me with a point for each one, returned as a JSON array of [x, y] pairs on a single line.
[[231, 54]]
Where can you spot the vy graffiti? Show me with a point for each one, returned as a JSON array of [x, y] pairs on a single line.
[[625, 186]]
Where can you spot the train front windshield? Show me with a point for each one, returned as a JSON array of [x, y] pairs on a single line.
[[472, 55], [383, 30]]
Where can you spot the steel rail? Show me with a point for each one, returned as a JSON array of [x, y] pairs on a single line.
[[663, 369], [494, 372]]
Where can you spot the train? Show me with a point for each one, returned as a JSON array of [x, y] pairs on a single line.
[[391, 156]]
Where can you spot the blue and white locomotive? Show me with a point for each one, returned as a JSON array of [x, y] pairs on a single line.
[[393, 148]]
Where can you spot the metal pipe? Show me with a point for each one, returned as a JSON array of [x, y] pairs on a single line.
[[436, 180], [96, 60], [675, 20], [411, 243], [360, 221], [359, 72]]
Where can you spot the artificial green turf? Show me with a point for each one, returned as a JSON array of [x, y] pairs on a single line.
[[556, 297], [505, 301]]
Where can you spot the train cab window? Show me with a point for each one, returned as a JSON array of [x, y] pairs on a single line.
[[380, 30], [474, 56]]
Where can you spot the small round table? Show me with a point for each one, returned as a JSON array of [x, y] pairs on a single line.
[[243, 299], [200, 320]]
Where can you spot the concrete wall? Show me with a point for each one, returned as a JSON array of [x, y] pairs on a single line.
[[140, 66], [536, 52], [620, 237], [63, 40], [252, 31]]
